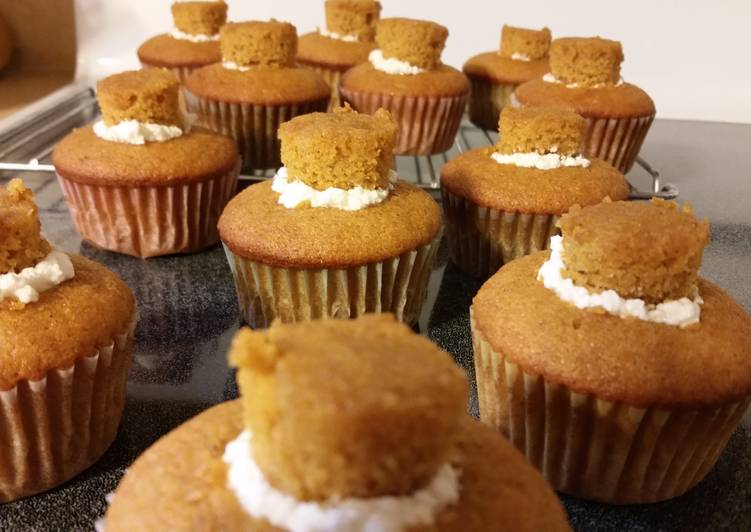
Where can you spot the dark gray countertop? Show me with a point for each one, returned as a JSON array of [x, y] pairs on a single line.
[[188, 314]]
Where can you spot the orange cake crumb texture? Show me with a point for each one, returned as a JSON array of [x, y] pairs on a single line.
[[353, 17], [650, 250], [339, 408], [541, 130], [343, 149], [145, 95], [534, 44], [586, 61], [255, 43], [417, 42], [21, 241], [199, 18]]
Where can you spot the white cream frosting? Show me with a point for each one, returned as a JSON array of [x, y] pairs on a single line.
[[231, 65], [550, 78], [516, 56], [392, 65], [679, 312], [338, 36], [26, 285], [135, 132], [193, 37], [378, 514], [541, 161], [294, 192]]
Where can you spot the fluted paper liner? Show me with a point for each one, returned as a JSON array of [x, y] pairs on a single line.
[[427, 125], [596, 449], [152, 220], [55, 427], [616, 140], [481, 239], [331, 76], [254, 127], [182, 73], [397, 285], [486, 101]]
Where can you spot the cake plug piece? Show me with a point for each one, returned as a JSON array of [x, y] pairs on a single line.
[[417, 42], [354, 19], [540, 130], [145, 96], [21, 242], [199, 18], [271, 44], [524, 44], [586, 62]]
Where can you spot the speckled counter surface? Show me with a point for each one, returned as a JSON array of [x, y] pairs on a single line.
[[188, 314]]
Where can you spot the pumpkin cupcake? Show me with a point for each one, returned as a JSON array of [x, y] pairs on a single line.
[[256, 88], [402, 454], [493, 76], [192, 43], [140, 181], [335, 234], [66, 334], [608, 361], [347, 40], [6, 44], [503, 202], [585, 74], [405, 76]]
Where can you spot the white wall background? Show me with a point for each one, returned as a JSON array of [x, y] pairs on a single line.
[[692, 56]]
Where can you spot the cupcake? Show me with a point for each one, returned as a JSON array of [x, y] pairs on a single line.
[[6, 44], [405, 76], [192, 43], [335, 234], [503, 202], [342, 426], [141, 181], [586, 74], [66, 331], [347, 40], [256, 88], [493, 76], [618, 371]]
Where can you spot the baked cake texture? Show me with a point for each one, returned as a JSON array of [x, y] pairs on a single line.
[[149, 95], [540, 129], [586, 61], [651, 251], [353, 17], [21, 242], [257, 43], [533, 44], [343, 149], [358, 408], [199, 18], [417, 42]]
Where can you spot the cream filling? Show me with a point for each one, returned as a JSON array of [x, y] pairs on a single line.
[[516, 56], [193, 37], [378, 514], [550, 78], [29, 283], [231, 65], [135, 132], [293, 193], [541, 161], [338, 36], [392, 65], [679, 312]]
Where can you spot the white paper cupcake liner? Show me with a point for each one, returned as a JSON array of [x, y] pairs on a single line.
[[486, 101], [616, 140], [331, 76]]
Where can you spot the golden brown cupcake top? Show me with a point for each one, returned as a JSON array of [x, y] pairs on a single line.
[[540, 129], [199, 18], [21, 242], [586, 62], [356, 18], [650, 251], [523, 43], [359, 408], [149, 96], [343, 149], [270, 44], [417, 42]]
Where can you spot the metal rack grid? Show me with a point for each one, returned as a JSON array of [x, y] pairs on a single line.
[[27, 147]]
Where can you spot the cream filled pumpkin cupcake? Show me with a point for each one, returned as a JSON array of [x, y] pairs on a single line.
[[405, 76], [66, 335], [493, 76], [141, 181], [402, 455], [346, 41], [335, 234], [256, 88], [192, 43], [503, 202], [585, 74], [608, 361]]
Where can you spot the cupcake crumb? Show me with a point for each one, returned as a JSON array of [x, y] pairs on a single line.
[[531, 44], [417, 42], [149, 96], [256, 43], [586, 61], [199, 18], [21, 242], [353, 17], [540, 129]]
